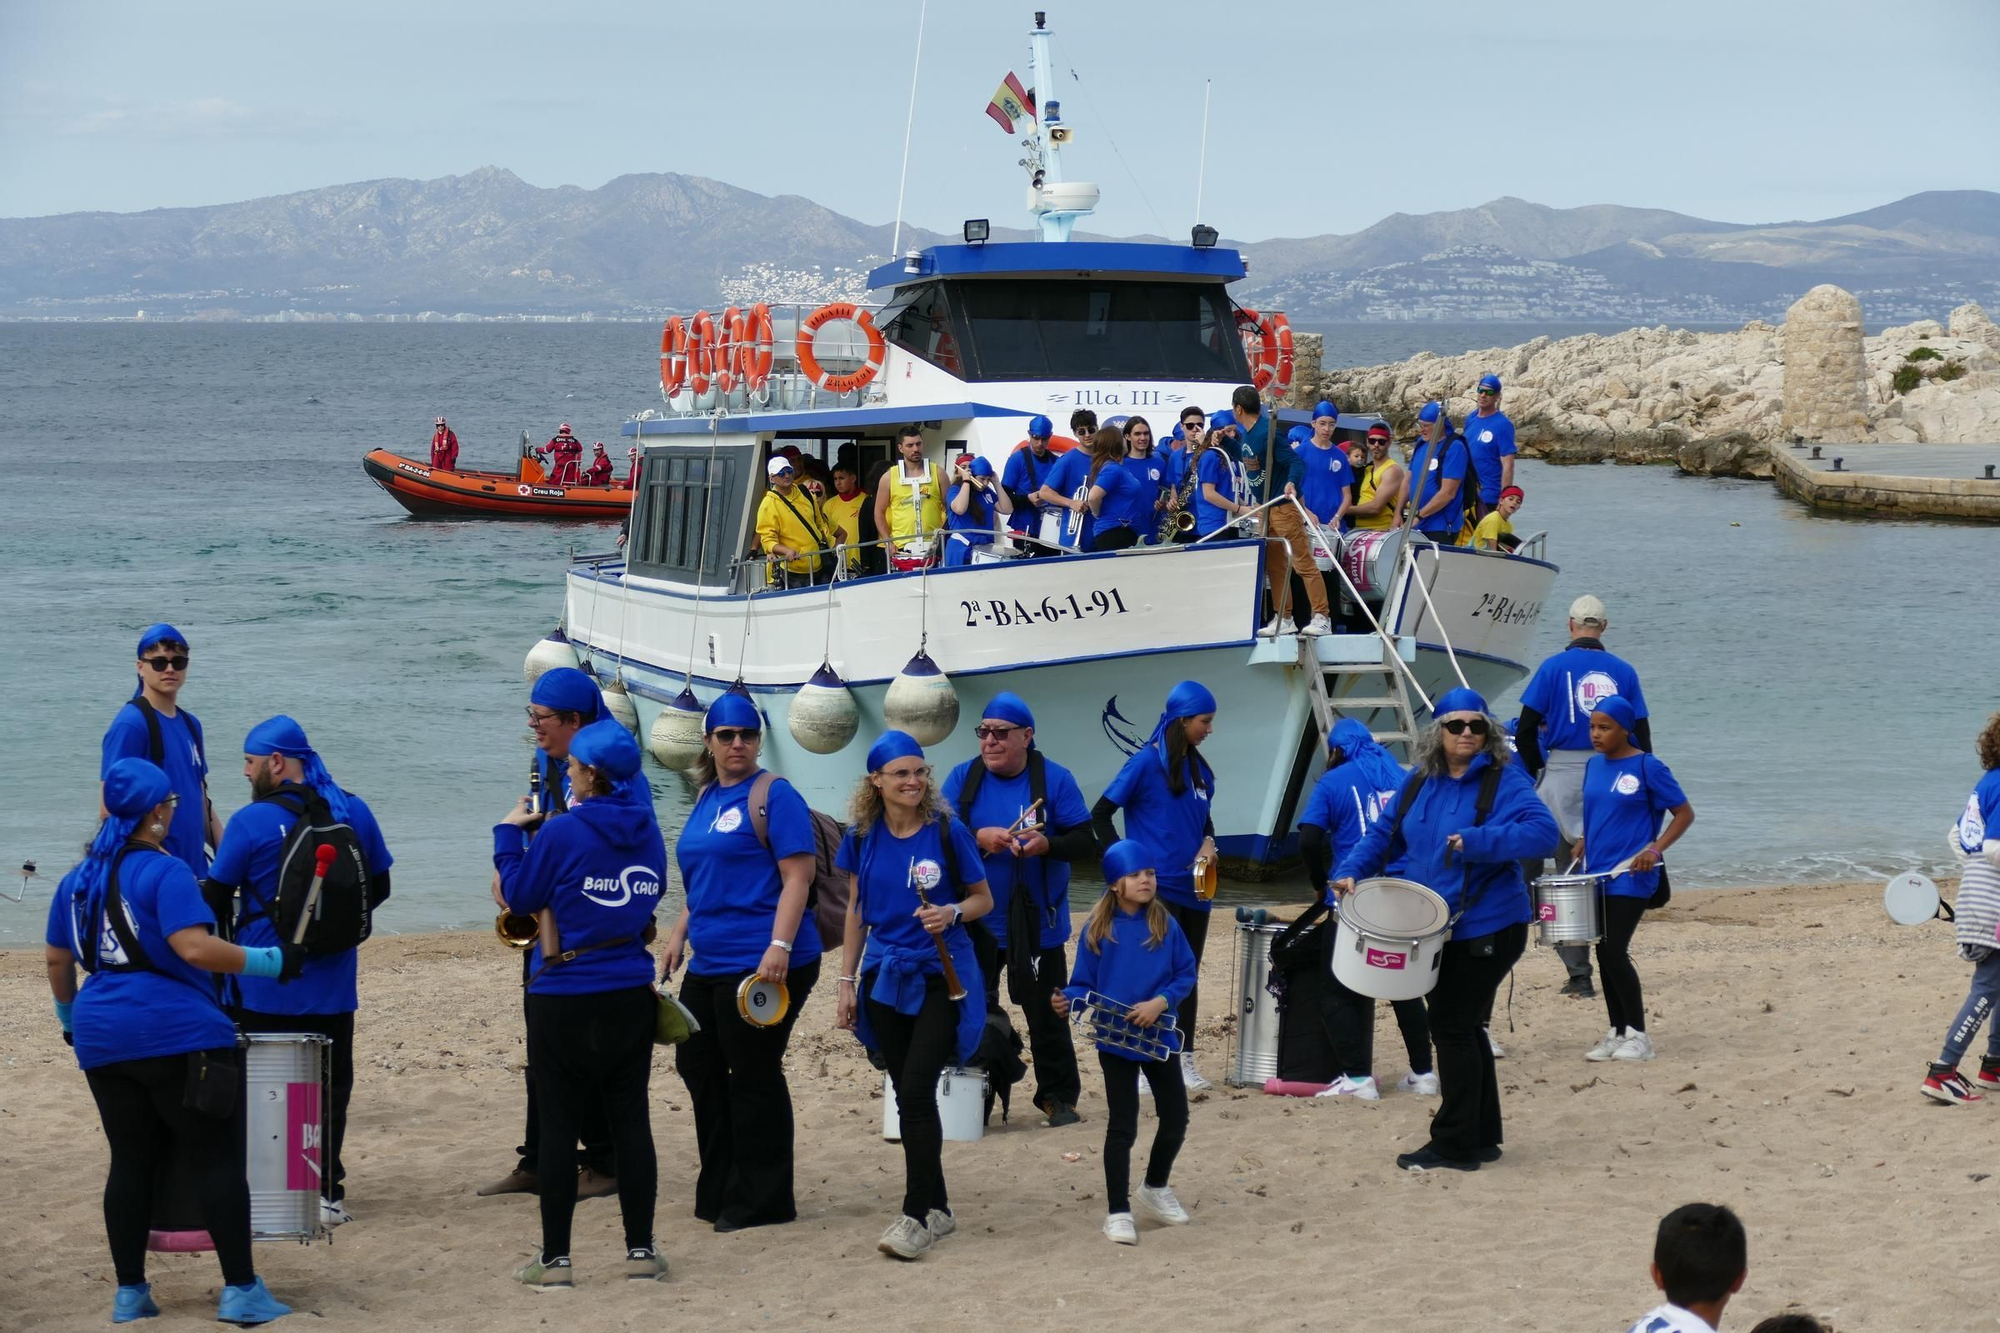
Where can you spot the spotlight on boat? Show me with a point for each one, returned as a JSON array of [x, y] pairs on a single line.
[[977, 230], [676, 735], [824, 715], [1204, 237], [922, 701], [554, 651], [913, 261]]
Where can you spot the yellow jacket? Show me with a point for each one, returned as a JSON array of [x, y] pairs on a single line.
[[846, 515], [794, 521]]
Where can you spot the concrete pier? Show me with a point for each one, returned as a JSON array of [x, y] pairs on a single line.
[[1893, 480]]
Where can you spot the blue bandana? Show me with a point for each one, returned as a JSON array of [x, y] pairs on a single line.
[[894, 745], [1458, 701], [1619, 709], [161, 633], [568, 690], [733, 710], [1009, 707], [607, 747], [1127, 857], [281, 735], [1359, 747], [134, 786]]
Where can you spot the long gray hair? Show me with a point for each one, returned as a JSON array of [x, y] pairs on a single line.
[[1428, 757]]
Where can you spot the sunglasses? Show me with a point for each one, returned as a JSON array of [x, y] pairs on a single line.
[[178, 662], [731, 735], [993, 733], [1457, 725]]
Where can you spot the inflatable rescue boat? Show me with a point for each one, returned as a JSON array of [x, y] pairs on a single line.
[[464, 493]]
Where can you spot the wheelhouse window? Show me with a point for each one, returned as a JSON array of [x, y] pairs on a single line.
[[1122, 329], [923, 326], [686, 514]]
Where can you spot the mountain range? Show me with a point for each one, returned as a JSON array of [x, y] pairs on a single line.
[[488, 244]]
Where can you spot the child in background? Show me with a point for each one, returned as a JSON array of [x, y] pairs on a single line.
[[1700, 1258], [1131, 948], [1495, 532]]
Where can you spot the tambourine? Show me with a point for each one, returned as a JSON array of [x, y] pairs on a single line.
[[762, 1003], [1205, 878]]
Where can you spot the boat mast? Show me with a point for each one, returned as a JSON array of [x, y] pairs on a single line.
[[1056, 203]]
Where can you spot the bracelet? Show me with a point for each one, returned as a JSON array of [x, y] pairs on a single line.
[[852, 981], [780, 944]]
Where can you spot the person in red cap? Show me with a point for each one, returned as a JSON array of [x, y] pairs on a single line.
[[599, 471], [444, 446], [1379, 485], [1495, 532]]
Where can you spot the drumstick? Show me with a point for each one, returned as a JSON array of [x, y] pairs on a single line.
[[1026, 815], [322, 862], [956, 991]]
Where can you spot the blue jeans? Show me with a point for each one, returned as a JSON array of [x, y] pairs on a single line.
[[1978, 1007]]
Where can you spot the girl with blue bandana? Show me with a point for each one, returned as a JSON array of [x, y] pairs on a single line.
[[1975, 841], [910, 893]]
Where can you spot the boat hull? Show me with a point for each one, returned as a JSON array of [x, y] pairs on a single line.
[[454, 493]]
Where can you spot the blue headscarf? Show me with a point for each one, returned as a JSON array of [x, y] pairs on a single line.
[[732, 710], [1298, 435], [982, 467], [568, 690], [1127, 857], [281, 735], [1458, 701], [1009, 707], [1325, 408], [150, 636], [1377, 766], [132, 787], [1619, 709], [894, 745], [607, 747], [1432, 411], [1190, 698]]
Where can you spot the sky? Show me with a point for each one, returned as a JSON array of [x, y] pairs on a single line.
[[1324, 116]]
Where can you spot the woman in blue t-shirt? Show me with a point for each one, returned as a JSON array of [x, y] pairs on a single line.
[[1166, 790], [597, 872], [746, 857], [910, 893], [1109, 492], [978, 508], [1625, 791], [146, 1012]]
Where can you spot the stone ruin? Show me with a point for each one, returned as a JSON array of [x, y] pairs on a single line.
[[1825, 393]]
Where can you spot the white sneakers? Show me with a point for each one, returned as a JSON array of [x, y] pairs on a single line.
[[1423, 1085], [1120, 1229], [941, 1223], [1160, 1205], [1318, 625], [1607, 1045], [1636, 1046], [1492, 1045], [1361, 1089], [1279, 627], [1190, 1076], [332, 1214], [906, 1238]]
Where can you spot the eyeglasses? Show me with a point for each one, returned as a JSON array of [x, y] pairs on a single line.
[[177, 662], [1457, 725], [988, 732], [731, 735], [907, 774], [535, 719]]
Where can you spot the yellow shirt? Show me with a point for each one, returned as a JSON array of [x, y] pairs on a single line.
[[907, 520], [793, 521], [1490, 530], [845, 515], [1383, 521]]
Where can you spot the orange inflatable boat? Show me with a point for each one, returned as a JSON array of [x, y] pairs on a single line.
[[463, 493]]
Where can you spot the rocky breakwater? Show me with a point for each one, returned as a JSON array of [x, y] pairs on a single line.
[[1713, 402]]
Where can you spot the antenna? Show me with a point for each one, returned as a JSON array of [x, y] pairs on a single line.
[[1201, 176], [896, 246]]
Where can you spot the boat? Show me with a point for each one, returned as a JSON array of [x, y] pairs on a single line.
[[526, 492], [968, 341]]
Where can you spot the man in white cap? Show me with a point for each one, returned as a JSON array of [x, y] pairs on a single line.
[[444, 446], [792, 529], [1554, 738]]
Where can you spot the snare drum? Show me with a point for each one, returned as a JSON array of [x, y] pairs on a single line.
[[1390, 939], [1569, 909], [1370, 559], [961, 1102], [762, 1003], [285, 1084]]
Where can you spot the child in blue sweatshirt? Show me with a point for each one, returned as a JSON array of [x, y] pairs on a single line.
[[1134, 953]]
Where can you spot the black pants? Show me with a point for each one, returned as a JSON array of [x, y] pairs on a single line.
[[1049, 1044], [1114, 539], [1193, 922], [1350, 1022], [1623, 1000], [916, 1048], [594, 1051], [140, 1104], [340, 1079], [591, 1129], [1121, 1131], [735, 1076], [1468, 1117]]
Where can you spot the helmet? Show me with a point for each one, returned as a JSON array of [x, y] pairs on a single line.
[[440, 421], [600, 446], [563, 429]]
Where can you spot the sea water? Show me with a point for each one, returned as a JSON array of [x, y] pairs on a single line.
[[1814, 682]]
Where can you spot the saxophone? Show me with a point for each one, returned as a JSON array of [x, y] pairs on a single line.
[[1177, 517]]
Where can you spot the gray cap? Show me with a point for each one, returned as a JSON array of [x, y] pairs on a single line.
[[1588, 610]]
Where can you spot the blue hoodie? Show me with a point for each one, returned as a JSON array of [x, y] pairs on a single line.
[[1125, 967], [601, 866], [1351, 797], [1518, 828]]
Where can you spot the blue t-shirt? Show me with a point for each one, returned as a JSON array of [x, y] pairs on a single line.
[[1326, 476], [601, 867], [978, 515], [1066, 479], [999, 803], [1024, 475], [1346, 805], [732, 881], [1981, 819], [1213, 468], [1121, 491], [1442, 463], [186, 768], [1128, 967], [1491, 439], [167, 1009], [883, 864], [1171, 827], [1150, 475], [248, 860], [1567, 688], [1623, 800]]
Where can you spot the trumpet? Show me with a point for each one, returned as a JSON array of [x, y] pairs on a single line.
[[516, 930]]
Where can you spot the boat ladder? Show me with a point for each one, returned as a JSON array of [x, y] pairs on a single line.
[[1374, 692]]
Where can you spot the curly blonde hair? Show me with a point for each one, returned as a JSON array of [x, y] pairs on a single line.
[[1988, 743], [865, 807]]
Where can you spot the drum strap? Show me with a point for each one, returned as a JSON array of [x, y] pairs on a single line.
[[1489, 787]]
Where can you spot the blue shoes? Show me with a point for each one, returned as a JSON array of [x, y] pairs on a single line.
[[134, 1302], [249, 1305]]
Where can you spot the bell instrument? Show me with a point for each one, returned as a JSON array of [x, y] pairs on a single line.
[[516, 930], [1110, 1024]]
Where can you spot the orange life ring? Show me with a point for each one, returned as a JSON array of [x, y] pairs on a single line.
[[809, 366], [1263, 352], [723, 360], [1058, 444], [673, 355], [701, 350], [755, 348], [1286, 362]]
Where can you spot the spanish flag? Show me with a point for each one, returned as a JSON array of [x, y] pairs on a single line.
[[1010, 103]]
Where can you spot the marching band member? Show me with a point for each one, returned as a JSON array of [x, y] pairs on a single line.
[[1166, 790], [563, 701], [1022, 479], [910, 895], [1111, 493], [1222, 490], [1625, 791], [746, 856], [1150, 469], [1441, 464], [1028, 817], [1317, 474], [1068, 488], [977, 505], [147, 1029], [591, 1006], [152, 726], [1132, 947], [1975, 840], [323, 997], [1437, 838], [1360, 784]]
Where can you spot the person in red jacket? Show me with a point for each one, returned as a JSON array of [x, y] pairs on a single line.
[[444, 446], [632, 473], [561, 450], [599, 472]]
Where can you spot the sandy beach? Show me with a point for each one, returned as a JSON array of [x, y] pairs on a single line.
[[1793, 1025]]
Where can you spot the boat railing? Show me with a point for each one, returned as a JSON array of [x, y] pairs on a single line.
[[1535, 547], [839, 346]]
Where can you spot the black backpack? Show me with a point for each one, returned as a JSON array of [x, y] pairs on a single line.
[[343, 916], [1024, 932]]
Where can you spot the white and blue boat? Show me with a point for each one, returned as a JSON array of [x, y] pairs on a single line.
[[976, 338]]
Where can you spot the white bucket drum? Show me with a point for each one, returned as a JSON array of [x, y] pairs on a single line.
[[1569, 909], [1390, 939], [995, 552], [1255, 1056], [1323, 554], [1370, 559], [961, 1099], [1911, 899], [285, 1082]]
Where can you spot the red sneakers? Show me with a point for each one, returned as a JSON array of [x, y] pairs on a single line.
[[1945, 1084], [1989, 1074]]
